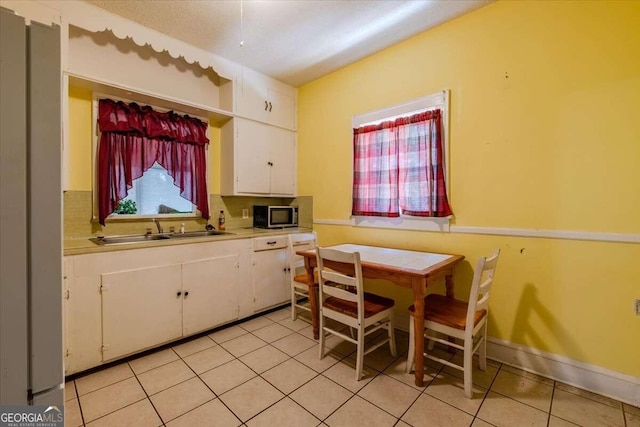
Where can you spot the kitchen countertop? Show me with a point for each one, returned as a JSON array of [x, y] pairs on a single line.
[[83, 245]]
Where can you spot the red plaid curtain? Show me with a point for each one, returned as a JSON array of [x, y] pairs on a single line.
[[375, 171], [398, 166]]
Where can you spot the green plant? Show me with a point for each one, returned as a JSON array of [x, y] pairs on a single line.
[[126, 207]]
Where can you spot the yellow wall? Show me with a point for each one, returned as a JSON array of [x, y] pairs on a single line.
[[80, 140], [81, 143], [544, 134]]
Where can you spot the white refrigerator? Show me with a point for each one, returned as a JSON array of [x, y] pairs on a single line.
[[31, 359]]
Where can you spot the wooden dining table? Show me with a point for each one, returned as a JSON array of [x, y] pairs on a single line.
[[408, 269]]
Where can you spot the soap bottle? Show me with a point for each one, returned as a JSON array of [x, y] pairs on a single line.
[[221, 221]]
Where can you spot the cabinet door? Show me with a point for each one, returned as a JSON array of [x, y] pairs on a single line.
[[140, 309], [67, 319], [282, 109], [252, 95], [270, 280], [252, 158], [210, 292], [263, 99], [283, 161]]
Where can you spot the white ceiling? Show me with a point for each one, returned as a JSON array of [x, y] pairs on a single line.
[[294, 41]]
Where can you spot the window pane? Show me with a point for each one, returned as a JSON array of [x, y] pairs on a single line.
[[155, 193]]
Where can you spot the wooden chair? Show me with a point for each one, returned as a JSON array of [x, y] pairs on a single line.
[[298, 274], [461, 320], [342, 298]]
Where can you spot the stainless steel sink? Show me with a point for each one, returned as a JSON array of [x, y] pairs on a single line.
[[203, 233], [138, 238], [141, 238]]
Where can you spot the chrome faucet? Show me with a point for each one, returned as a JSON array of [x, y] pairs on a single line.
[[158, 225]]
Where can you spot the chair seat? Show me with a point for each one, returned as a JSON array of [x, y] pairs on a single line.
[[373, 304], [302, 278], [447, 311]]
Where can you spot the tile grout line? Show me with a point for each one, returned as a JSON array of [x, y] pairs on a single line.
[[155, 367], [553, 394], [484, 398], [125, 406], [361, 388], [248, 367], [207, 385], [258, 375], [75, 387], [588, 396], [146, 394], [417, 397], [188, 379], [317, 375]]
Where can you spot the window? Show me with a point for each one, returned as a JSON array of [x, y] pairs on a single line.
[[399, 167], [154, 193], [149, 162]]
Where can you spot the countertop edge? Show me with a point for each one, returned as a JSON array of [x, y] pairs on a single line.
[[82, 245]]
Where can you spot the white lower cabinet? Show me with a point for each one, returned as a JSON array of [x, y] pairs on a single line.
[[270, 262], [120, 303], [210, 293], [123, 302], [140, 309]]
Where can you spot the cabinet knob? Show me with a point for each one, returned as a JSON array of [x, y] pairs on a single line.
[[266, 106], [270, 106], [186, 294], [178, 294]]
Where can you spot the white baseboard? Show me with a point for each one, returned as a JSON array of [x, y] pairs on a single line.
[[615, 385], [625, 388]]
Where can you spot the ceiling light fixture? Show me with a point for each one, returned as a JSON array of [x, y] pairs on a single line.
[[241, 24]]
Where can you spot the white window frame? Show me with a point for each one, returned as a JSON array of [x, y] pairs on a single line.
[[94, 155], [439, 100]]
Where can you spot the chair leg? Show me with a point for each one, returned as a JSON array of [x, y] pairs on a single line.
[[409, 367], [352, 333], [293, 304], [392, 335], [468, 368], [431, 344], [321, 337], [360, 353], [483, 348]]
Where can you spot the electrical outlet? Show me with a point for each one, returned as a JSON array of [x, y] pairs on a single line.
[[245, 213], [637, 306]]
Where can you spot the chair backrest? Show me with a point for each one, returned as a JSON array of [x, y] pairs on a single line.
[[299, 242], [481, 286], [343, 270]]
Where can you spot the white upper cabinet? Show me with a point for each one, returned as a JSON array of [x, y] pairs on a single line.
[[257, 159], [282, 161], [266, 100]]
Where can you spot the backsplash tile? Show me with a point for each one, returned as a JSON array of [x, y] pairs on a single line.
[[78, 221]]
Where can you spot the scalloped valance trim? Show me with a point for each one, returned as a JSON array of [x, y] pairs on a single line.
[[95, 19]]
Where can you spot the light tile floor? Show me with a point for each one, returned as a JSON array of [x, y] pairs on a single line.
[[266, 372]]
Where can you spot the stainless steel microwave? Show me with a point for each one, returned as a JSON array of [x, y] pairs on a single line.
[[275, 216]]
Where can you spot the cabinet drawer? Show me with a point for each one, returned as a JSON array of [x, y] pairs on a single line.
[[268, 243]]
